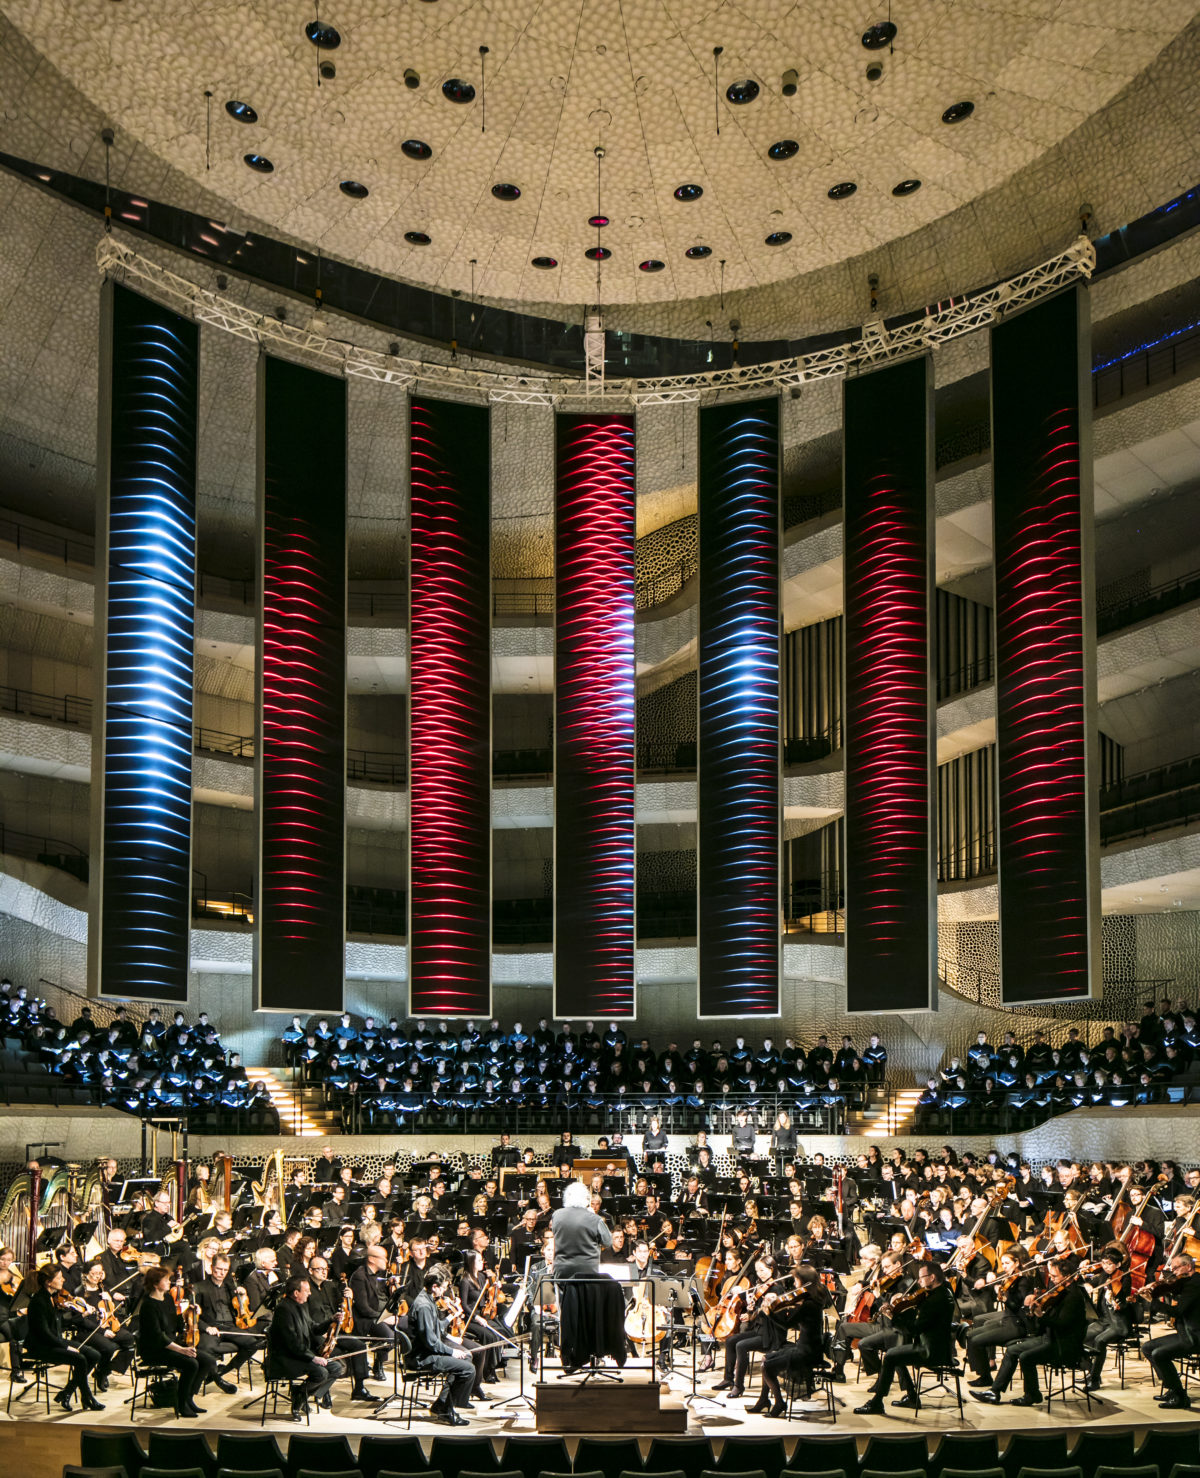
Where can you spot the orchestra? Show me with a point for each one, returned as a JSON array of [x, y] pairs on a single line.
[[892, 1262]]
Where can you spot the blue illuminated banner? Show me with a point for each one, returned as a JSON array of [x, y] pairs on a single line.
[[140, 915], [738, 809]]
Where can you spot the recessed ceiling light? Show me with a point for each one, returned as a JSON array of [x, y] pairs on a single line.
[[906, 187], [327, 37], [784, 149], [506, 192], [696, 252], [597, 254], [258, 162], [416, 238], [958, 112], [842, 190], [742, 92], [416, 149], [458, 91], [243, 112], [689, 192], [544, 264], [651, 264], [597, 221], [355, 189], [881, 34], [778, 238]]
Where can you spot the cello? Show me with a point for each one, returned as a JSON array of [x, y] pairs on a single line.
[[1126, 1222], [723, 1317], [708, 1269]]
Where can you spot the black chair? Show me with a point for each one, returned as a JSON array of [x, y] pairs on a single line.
[[530, 1456], [608, 1455], [938, 1378], [881, 1473], [245, 1453], [1050, 1473], [824, 1455], [327, 1453], [173, 1472], [1072, 1381], [1167, 1447], [108, 1449], [1184, 1470], [254, 1473], [179, 1450], [895, 1454], [972, 1473], [144, 1374], [455, 1455], [966, 1452], [687, 1455], [71, 1471], [752, 1454], [750, 1473], [1046, 1450], [1112, 1449], [325, 1473], [42, 1384], [1104, 1471], [424, 1473], [390, 1454]]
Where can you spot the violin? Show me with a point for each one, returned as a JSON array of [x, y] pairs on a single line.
[[10, 1282], [65, 1300], [458, 1319], [905, 1303], [107, 1311], [242, 1316], [1161, 1284]]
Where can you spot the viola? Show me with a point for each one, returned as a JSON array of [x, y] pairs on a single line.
[[242, 1316]]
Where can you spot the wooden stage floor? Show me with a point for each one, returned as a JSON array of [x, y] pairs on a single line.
[[36, 1445]]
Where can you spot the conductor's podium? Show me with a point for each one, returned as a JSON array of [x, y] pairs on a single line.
[[632, 1405]]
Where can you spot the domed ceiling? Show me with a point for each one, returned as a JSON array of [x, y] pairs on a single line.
[[455, 144]]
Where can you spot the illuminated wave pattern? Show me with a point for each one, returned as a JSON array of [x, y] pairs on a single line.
[[595, 763], [1042, 727], [738, 779], [450, 826], [301, 891], [888, 742], [145, 910]]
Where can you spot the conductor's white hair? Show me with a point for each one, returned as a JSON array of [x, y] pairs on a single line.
[[577, 1194]]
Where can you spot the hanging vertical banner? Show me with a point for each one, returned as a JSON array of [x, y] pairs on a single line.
[[890, 740], [1046, 736], [300, 892], [141, 853], [595, 739], [450, 712], [738, 830]]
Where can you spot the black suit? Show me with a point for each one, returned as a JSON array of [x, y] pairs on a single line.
[[44, 1340], [370, 1304], [290, 1350], [430, 1351], [1059, 1341], [325, 1305], [1181, 1303], [925, 1339], [216, 1312]]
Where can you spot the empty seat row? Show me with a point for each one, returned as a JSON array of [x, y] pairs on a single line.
[[1163, 1449]]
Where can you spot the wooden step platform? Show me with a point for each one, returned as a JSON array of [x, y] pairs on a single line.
[[608, 1407]]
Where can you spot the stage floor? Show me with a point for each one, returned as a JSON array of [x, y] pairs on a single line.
[[41, 1443]]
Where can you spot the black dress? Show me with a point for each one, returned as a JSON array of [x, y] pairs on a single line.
[[159, 1326]]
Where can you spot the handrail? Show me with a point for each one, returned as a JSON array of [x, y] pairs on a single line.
[[963, 679], [1140, 607], [49, 851]]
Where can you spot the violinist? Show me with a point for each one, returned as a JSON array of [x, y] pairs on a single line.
[[219, 1333], [326, 1307], [120, 1267], [372, 1318], [293, 1349], [745, 1341], [346, 1257], [12, 1319], [432, 1350], [802, 1312], [163, 1340], [1014, 1287], [1177, 1298], [1115, 1289], [1059, 1318], [875, 1333], [101, 1329], [477, 1289], [259, 1284], [925, 1320], [46, 1340]]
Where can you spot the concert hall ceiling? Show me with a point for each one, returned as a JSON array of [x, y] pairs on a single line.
[[491, 155]]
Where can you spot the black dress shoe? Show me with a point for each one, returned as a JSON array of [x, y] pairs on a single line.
[[1091, 1386], [762, 1404], [873, 1407], [838, 1375], [908, 1403], [980, 1380], [1176, 1401], [326, 1403], [723, 1385], [360, 1393], [90, 1403], [1035, 1400], [191, 1409], [227, 1386], [991, 1397], [299, 1412], [63, 1399], [100, 1382], [779, 1409], [452, 1419]]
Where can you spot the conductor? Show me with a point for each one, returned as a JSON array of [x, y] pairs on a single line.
[[591, 1308], [579, 1235]]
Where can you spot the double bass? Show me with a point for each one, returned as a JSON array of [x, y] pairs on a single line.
[[1125, 1220], [708, 1269]]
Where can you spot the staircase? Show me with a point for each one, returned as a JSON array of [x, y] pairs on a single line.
[[880, 1118], [300, 1110]]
